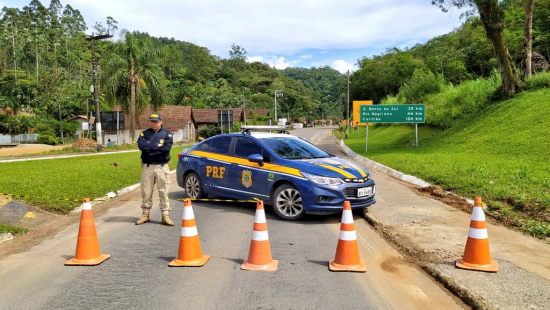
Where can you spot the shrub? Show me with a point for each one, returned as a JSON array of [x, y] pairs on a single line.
[[537, 81], [259, 120], [209, 131], [43, 128], [452, 103], [236, 127], [423, 82], [389, 99], [47, 139]]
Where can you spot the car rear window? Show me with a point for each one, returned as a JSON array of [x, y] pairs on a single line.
[[219, 145]]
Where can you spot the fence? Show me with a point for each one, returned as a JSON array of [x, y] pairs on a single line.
[[23, 138], [29, 138]]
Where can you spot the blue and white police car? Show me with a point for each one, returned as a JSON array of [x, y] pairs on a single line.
[[285, 171]]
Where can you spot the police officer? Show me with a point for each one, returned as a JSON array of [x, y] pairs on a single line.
[[155, 144]]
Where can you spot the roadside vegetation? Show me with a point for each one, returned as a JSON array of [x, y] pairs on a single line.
[[495, 150], [5, 228], [60, 185]]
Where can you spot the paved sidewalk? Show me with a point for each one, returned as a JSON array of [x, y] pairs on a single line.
[[434, 235]]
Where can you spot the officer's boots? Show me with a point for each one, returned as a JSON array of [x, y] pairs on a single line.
[[143, 219], [166, 219]]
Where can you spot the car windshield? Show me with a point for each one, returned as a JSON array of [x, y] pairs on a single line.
[[294, 148]]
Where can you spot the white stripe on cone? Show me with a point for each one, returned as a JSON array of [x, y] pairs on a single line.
[[260, 217], [478, 233], [189, 231], [260, 235], [188, 213], [348, 235], [347, 217], [478, 214], [87, 206]]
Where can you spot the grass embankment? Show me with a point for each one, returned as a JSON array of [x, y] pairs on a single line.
[[500, 153], [60, 185]]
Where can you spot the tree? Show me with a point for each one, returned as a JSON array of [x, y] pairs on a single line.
[[111, 25], [72, 23], [12, 25], [491, 14], [132, 78], [528, 38], [237, 52]]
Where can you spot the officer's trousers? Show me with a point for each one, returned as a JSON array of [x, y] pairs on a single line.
[[155, 174]]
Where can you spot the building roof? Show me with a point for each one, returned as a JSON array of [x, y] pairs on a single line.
[[210, 116], [174, 117], [78, 117]]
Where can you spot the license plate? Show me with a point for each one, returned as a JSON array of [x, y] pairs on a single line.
[[365, 191]]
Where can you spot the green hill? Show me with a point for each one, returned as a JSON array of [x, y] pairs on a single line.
[[501, 154]]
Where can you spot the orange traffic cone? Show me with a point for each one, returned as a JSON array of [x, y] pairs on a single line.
[[189, 253], [476, 254], [347, 251], [259, 256], [87, 245]]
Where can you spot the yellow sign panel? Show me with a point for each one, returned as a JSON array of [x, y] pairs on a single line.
[[356, 113]]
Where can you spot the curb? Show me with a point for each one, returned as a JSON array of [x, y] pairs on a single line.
[[112, 194], [379, 167], [5, 237]]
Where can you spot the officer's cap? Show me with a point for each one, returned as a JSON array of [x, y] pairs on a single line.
[[155, 117]]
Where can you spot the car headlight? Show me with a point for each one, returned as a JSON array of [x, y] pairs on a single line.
[[317, 179]]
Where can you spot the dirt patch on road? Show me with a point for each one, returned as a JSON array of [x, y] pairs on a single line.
[[32, 149], [23, 149], [446, 197]]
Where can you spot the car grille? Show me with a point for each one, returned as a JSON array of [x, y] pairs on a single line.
[[357, 180]]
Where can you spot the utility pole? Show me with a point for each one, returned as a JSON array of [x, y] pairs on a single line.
[[347, 111], [339, 113], [99, 138], [60, 120], [244, 109], [277, 94]]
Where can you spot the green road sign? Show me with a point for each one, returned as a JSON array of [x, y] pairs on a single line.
[[393, 113]]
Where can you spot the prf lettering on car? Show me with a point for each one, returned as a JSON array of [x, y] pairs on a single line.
[[215, 172]]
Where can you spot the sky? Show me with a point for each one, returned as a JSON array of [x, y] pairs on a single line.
[[282, 33]]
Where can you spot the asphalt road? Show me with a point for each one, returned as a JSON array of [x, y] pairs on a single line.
[[137, 275]]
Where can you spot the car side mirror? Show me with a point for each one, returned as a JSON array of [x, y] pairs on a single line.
[[256, 158]]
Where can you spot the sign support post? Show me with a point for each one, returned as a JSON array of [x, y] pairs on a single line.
[[367, 139], [416, 129]]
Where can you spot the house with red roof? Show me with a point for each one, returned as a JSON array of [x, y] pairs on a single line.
[[177, 119]]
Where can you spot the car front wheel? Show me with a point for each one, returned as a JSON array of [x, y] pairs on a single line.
[[193, 186], [287, 203]]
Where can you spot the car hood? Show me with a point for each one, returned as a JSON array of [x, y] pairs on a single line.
[[334, 167]]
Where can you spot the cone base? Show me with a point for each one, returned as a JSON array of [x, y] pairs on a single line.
[[87, 262], [492, 267], [267, 267], [339, 267], [189, 263]]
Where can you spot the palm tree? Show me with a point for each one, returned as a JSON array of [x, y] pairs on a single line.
[[131, 78]]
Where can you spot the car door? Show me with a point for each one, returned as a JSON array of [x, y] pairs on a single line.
[[214, 165], [247, 179]]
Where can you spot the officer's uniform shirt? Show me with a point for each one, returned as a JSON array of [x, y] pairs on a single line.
[[148, 142]]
